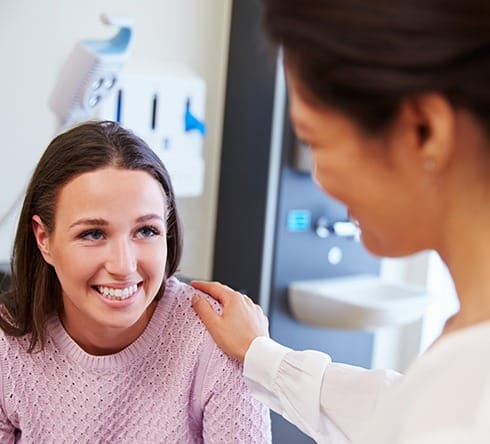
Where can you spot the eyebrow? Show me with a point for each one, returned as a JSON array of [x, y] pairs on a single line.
[[102, 222]]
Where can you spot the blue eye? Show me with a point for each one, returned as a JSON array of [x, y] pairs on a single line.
[[147, 231], [92, 235]]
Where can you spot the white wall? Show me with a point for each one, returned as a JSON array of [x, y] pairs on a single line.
[[36, 37]]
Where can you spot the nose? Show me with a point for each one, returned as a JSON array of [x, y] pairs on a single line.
[[121, 260]]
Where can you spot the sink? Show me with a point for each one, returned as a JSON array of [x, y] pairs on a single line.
[[360, 302]]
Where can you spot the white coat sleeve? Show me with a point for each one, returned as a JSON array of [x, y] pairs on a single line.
[[327, 401]]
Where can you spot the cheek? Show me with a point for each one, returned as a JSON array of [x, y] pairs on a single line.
[[154, 258], [69, 263], [330, 180], [332, 167]]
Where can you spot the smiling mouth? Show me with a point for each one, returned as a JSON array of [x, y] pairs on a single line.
[[116, 294]]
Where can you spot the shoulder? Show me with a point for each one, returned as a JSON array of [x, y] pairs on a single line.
[[459, 354], [449, 385], [178, 298], [16, 364], [176, 313], [178, 292], [13, 345], [460, 357]]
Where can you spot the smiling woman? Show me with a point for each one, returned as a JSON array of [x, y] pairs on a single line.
[[109, 250], [99, 342]]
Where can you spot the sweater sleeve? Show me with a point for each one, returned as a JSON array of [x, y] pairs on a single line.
[[230, 413], [7, 429], [327, 401]]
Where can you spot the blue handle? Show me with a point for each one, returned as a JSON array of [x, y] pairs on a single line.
[[191, 122]]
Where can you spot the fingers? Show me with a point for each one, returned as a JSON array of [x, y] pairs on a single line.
[[247, 299], [205, 312], [221, 293], [218, 291], [240, 322]]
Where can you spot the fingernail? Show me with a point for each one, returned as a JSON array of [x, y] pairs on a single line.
[[195, 299]]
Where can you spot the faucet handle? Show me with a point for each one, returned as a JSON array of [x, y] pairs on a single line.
[[322, 227], [346, 229]]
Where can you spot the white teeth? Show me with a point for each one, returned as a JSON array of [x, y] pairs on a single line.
[[117, 293]]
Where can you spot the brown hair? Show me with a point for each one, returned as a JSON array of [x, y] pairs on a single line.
[[364, 57], [35, 291]]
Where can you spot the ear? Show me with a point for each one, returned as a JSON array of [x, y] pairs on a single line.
[[42, 238], [430, 120]]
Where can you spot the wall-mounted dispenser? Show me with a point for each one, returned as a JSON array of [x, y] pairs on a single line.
[[89, 74], [165, 105]]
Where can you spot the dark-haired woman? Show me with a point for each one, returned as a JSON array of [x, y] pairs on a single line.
[[98, 340], [393, 98]]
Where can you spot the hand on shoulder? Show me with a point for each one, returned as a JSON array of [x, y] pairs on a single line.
[[239, 324]]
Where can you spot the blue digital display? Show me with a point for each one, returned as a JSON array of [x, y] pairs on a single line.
[[298, 221]]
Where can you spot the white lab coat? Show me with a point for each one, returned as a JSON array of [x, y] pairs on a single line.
[[443, 399]]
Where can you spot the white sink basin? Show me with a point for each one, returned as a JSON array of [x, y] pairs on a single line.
[[361, 302]]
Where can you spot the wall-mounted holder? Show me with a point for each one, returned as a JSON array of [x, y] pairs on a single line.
[[90, 73], [360, 302], [164, 103]]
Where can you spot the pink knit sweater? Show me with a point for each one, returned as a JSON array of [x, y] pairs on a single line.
[[172, 385]]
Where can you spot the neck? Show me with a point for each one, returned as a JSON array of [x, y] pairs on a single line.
[[467, 257], [463, 237], [106, 341]]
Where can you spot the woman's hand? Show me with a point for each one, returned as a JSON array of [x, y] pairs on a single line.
[[241, 322]]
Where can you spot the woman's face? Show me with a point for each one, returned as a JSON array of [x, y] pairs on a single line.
[[367, 173], [109, 250]]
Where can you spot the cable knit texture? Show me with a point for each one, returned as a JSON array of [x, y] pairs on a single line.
[[172, 385]]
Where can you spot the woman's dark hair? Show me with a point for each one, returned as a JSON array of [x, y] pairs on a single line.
[[35, 291], [364, 56]]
